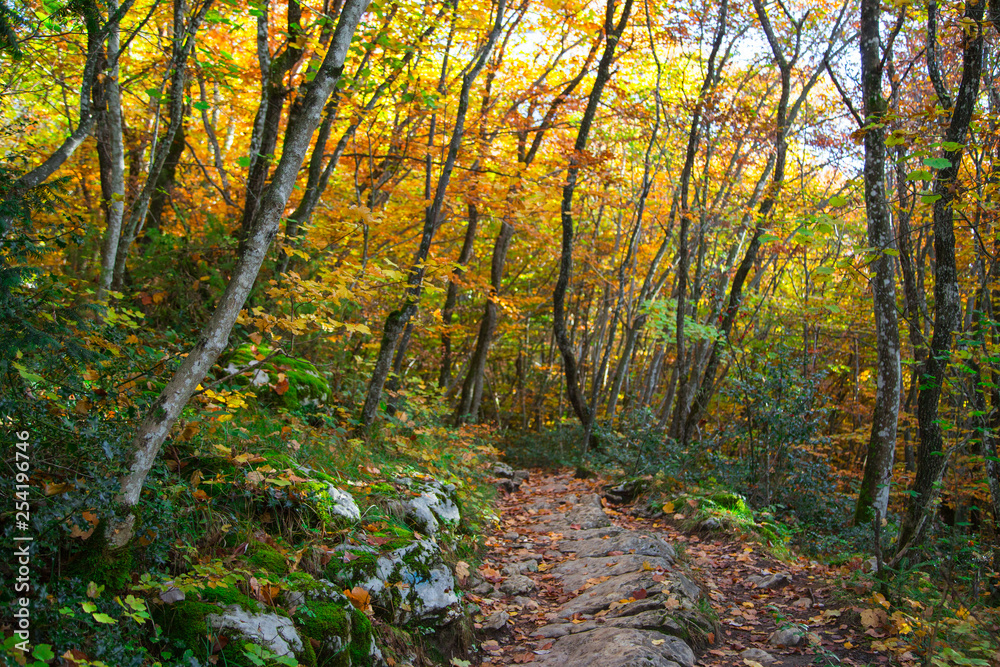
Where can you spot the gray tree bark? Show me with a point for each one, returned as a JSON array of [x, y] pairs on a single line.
[[931, 457], [397, 320], [613, 32], [873, 496], [111, 154], [167, 408]]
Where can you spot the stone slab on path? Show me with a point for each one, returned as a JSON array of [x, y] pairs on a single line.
[[620, 598]]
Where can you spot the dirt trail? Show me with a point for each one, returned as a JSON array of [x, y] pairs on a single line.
[[572, 580]]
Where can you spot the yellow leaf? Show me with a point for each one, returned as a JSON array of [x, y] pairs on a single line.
[[668, 508], [132, 339], [657, 642]]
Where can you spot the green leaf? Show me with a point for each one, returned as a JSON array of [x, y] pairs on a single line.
[[894, 140], [824, 270], [837, 200], [43, 652], [88, 607], [952, 146], [244, 161], [767, 238], [929, 199], [154, 93], [937, 162], [201, 106], [26, 374], [104, 618], [919, 175]]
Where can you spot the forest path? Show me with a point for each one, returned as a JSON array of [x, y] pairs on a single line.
[[571, 580]]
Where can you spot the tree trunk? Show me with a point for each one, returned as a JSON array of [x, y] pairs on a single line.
[[110, 153], [184, 33], [215, 336], [873, 496], [613, 34], [931, 457], [444, 377], [390, 334], [87, 120]]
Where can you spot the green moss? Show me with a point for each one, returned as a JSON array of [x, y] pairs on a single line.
[[361, 568], [732, 502], [361, 640], [260, 556], [228, 595], [322, 621], [416, 560], [301, 581], [307, 656], [98, 563], [184, 622]]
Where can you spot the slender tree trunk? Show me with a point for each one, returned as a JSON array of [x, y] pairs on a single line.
[[215, 336], [785, 115], [873, 496], [472, 387], [111, 154], [390, 334], [613, 33], [88, 118], [184, 38], [444, 377], [931, 457]]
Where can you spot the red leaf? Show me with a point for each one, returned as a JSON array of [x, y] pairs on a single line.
[[639, 594]]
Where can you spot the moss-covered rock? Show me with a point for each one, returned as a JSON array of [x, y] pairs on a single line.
[[409, 584], [329, 624], [362, 649], [184, 622], [261, 556], [229, 595]]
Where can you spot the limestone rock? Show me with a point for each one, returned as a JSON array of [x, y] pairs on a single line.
[[342, 504], [520, 567], [274, 632], [497, 621], [433, 504], [575, 573], [758, 655], [412, 583], [517, 584], [588, 516], [770, 581], [786, 637], [628, 542], [172, 595], [619, 647], [710, 524]]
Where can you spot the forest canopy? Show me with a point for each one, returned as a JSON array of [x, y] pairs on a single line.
[[761, 232]]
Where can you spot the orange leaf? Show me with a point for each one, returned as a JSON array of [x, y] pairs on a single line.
[[281, 386], [360, 598]]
